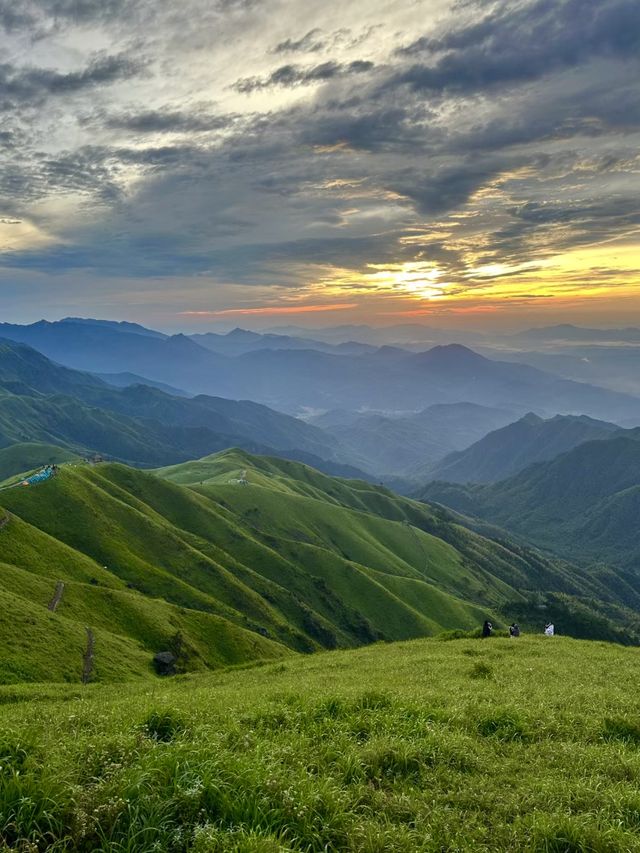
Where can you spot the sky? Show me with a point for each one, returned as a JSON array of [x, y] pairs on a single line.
[[252, 163]]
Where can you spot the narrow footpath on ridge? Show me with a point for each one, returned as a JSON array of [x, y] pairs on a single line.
[[87, 668], [57, 597]]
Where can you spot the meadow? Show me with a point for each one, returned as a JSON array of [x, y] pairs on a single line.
[[424, 745]]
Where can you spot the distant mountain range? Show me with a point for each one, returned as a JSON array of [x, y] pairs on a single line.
[[569, 332], [295, 380], [506, 451], [583, 504], [41, 401], [241, 341], [408, 445]]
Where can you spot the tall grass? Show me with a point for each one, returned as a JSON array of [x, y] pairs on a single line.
[[391, 748]]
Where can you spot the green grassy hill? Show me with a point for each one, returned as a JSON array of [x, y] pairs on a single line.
[[42, 402], [233, 557], [19, 458], [506, 451], [419, 747], [583, 504]]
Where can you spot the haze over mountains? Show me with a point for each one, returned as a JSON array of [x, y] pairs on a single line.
[[583, 504], [408, 445], [506, 451], [248, 554], [387, 378], [45, 402]]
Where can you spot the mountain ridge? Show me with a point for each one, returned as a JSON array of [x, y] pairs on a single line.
[[514, 447]]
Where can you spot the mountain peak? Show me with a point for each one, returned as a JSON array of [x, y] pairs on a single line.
[[242, 334], [453, 355], [531, 418]]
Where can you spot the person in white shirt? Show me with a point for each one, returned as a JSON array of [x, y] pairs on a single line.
[[549, 629]]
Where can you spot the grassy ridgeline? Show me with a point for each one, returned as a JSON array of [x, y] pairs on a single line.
[[498, 745], [232, 573]]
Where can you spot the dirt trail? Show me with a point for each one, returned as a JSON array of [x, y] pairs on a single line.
[[87, 660], [57, 597], [4, 521]]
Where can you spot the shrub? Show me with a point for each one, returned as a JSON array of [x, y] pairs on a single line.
[[619, 728], [163, 726], [503, 725], [372, 701], [481, 670], [13, 756]]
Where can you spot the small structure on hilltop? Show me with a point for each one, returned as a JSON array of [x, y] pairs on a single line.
[[241, 480]]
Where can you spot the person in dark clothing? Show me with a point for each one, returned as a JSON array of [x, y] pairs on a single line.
[[514, 630], [487, 628]]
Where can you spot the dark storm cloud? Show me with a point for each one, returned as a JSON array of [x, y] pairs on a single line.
[[516, 44], [623, 210], [90, 172], [385, 127], [529, 101], [168, 121], [28, 86], [289, 76], [316, 40], [439, 190], [173, 255], [39, 15], [311, 42]]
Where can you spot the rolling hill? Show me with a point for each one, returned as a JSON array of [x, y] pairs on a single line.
[[21, 458], [195, 561], [506, 451], [584, 504], [41, 401]]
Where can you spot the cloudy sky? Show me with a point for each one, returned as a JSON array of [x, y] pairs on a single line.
[[261, 161]]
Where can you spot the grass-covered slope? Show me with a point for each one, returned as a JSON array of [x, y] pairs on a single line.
[[474, 746], [240, 558], [583, 504], [488, 572], [504, 452], [42, 402], [22, 457]]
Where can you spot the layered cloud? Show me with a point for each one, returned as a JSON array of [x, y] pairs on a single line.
[[254, 155]]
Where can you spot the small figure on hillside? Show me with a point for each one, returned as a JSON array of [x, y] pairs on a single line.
[[549, 629], [514, 630], [487, 628]]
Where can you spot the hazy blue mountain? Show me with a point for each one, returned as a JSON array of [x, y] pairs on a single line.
[[405, 446], [569, 332], [293, 380], [615, 366], [506, 451], [117, 326], [396, 335], [124, 380], [584, 504], [240, 341], [44, 402]]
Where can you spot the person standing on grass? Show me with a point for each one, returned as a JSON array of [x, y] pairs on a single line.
[[487, 628], [549, 629], [514, 630]]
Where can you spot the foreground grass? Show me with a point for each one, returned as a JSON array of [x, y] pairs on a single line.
[[428, 745]]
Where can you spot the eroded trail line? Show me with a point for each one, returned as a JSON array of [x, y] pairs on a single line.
[[87, 665], [57, 597]]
